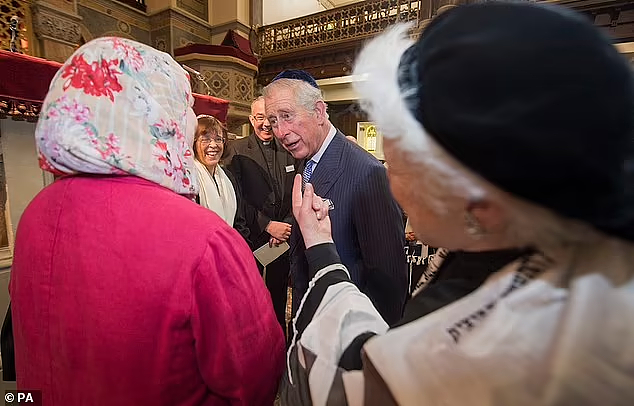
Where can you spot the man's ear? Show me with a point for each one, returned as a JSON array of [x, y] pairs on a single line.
[[490, 215], [252, 120], [320, 110]]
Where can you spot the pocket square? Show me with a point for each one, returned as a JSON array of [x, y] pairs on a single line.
[[331, 205]]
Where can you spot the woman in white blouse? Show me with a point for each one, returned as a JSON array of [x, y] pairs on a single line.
[[218, 192]]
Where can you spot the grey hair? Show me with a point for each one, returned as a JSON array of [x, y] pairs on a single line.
[[380, 96], [448, 180], [306, 95], [257, 99]]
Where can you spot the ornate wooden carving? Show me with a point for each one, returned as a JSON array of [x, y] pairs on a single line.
[[321, 64], [19, 110], [325, 44], [353, 22]]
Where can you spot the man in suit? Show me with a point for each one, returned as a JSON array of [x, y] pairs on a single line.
[[264, 170], [366, 221]]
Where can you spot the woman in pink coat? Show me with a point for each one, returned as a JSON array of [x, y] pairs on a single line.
[[124, 291]]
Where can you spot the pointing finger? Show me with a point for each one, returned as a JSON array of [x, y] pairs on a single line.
[[297, 194], [307, 201]]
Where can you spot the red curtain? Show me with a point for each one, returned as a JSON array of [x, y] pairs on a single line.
[[26, 79]]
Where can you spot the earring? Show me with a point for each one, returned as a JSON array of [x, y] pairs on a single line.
[[472, 225]]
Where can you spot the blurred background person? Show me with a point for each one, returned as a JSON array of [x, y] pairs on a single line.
[[218, 190], [501, 133], [368, 226], [264, 171], [125, 292]]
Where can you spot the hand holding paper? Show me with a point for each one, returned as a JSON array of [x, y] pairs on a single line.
[[267, 253]]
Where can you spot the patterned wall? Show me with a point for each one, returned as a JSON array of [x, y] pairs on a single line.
[[171, 29], [166, 30], [229, 83], [182, 38], [199, 8], [99, 25]]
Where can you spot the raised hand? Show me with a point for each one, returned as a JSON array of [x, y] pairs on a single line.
[[311, 214]]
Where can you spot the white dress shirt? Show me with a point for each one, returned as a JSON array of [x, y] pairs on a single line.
[[324, 145]]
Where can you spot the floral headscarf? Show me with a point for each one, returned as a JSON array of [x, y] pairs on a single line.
[[120, 107]]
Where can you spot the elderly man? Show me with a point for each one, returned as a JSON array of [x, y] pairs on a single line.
[[367, 223], [264, 171]]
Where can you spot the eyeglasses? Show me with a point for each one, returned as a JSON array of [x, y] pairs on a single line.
[[285, 116], [205, 141], [259, 118]]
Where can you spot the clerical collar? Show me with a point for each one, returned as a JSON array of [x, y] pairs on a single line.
[[266, 142]]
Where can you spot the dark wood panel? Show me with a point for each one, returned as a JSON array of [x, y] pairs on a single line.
[[345, 117]]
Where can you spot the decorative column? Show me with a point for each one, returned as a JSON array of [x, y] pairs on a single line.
[[256, 13], [56, 25]]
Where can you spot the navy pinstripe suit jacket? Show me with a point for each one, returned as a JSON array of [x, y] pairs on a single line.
[[367, 226]]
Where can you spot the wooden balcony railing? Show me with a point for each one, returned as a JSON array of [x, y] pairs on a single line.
[[351, 22]]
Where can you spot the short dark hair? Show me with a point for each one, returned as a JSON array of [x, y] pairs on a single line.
[[210, 125]]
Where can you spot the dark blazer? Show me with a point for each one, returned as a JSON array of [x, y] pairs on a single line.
[[264, 200], [367, 226]]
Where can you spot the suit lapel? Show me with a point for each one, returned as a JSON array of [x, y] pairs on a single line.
[[328, 170], [330, 166]]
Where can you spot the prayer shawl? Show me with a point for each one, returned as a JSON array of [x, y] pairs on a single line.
[[217, 193], [538, 332]]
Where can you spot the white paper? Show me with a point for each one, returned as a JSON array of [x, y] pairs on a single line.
[[265, 254]]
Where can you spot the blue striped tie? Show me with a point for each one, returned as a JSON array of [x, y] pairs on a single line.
[[308, 172]]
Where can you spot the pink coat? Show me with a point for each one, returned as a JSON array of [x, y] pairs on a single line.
[[125, 293]]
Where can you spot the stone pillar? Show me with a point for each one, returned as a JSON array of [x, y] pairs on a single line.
[[57, 27], [257, 10]]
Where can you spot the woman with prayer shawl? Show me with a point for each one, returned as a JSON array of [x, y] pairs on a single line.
[[124, 291], [218, 190], [507, 126]]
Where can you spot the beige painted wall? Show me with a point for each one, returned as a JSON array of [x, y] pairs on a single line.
[[627, 49], [274, 11], [24, 180], [24, 176], [156, 5], [243, 11], [338, 89], [224, 11]]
